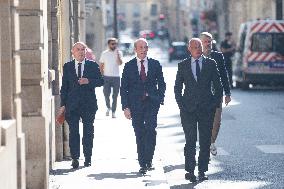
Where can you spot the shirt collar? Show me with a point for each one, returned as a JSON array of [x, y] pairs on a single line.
[[199, 59], [139, 60], [77, 62]]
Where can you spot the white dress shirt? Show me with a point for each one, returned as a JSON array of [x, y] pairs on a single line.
[[145, 64], [82, 67], [193, 66]]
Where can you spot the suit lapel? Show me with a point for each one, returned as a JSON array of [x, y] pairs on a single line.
[[85, 68], [135, 68], [188, 64], [73, 70], [204, 67], [150, 69]]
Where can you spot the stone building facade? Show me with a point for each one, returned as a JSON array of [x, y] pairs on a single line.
[[140, 15], [232, 13], [35, 40]]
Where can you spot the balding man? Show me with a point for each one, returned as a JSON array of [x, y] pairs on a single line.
[[78, 100], [142, 91], [197, 75]]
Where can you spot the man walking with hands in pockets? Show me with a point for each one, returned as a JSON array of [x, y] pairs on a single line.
[[197, 104], [206, 39]]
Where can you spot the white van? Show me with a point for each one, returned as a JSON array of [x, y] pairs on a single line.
[[260, 56]]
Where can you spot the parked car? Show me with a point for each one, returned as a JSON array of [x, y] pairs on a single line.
[[126, 46], [178, 50], [147, 34], [260, 56]]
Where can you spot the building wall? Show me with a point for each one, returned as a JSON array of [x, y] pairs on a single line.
[[243, 11], [35, 42], [140, 12], [96, 26], [12, 146]]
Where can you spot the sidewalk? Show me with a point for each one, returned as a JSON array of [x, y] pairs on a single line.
[[114, 161]]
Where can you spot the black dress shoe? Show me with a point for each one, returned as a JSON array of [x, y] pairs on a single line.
[[75, 163], [143, 170], [87, 162], [190, 176], [202, 177], [149, 166]]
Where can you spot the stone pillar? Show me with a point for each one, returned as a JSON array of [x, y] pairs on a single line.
[[13, 141], [64, 50], [36, 93], [8, 158], [82, 21]]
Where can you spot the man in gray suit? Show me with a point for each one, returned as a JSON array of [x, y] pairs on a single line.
[[202, 93]]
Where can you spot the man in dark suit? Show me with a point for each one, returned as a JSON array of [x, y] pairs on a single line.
[[142, 91], [199, 75], [206, 39], [78, 100]]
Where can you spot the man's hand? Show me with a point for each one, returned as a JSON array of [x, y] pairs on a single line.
[[119, 60], [83, 81], [61, 110], [227, 100], [127, 113]]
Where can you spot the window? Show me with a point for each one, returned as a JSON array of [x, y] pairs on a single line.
[[154, 26], [136, 10], [154, 10], [267, 42]]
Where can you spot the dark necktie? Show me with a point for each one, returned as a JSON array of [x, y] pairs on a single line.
[[79, 70], [142, 71], [197, 69]]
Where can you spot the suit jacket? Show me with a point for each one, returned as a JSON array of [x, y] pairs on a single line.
[[133, 88], [198, 95], [74, 95], [219, 58]]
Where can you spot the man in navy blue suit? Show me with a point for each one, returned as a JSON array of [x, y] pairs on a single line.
[[196, 77], [78, 100], [142, 92], [206, 39]]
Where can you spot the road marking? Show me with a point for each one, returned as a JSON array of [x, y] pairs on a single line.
[[271, 149], [222, 152]]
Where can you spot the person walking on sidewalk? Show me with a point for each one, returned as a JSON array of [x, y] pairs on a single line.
[[142, 92], [109, 63], [207, 39], [228, 48], [197, 104], [78, 100]]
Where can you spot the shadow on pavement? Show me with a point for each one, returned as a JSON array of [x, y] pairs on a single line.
[[64, 171], [154, 182], [187, 186], [102, 176], [170, 168]]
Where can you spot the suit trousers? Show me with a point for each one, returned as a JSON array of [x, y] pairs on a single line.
[[73, 118], [216, 124], [203, 120], [145, 123]]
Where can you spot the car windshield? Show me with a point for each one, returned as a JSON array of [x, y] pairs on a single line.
[[267, 42]]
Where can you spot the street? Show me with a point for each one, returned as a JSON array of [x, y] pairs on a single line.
[[250, 144]]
